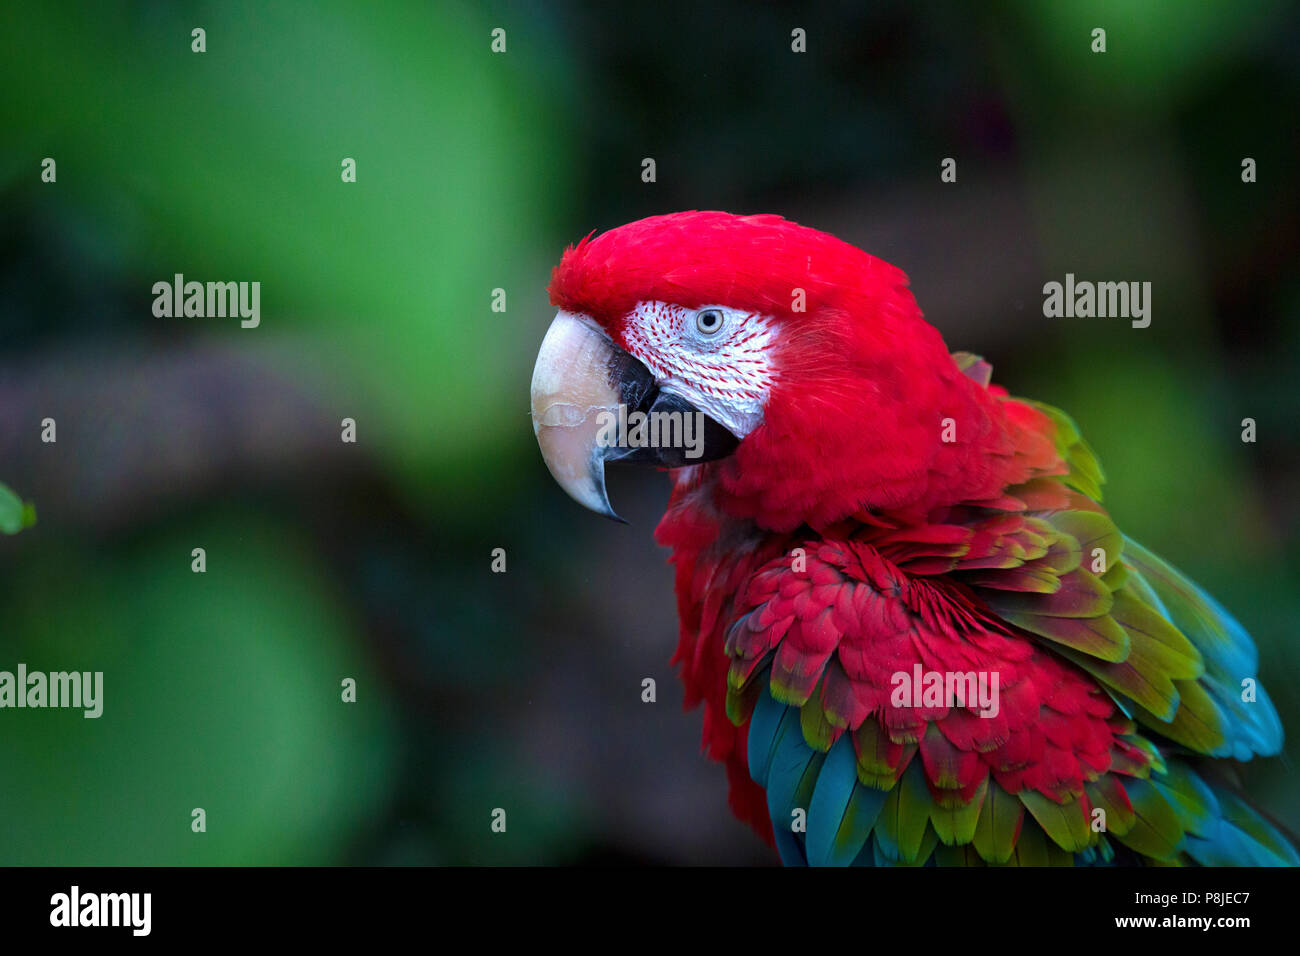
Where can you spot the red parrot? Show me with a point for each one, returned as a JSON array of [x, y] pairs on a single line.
[[917, 635]]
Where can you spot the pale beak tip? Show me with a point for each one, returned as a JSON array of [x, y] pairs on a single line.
[[595, 497]]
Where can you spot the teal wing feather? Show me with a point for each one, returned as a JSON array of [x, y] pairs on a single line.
[[1249, 720]]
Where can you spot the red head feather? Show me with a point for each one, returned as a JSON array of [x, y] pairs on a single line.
[[864, 386]]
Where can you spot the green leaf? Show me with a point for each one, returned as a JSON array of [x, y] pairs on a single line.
[[15, 514]]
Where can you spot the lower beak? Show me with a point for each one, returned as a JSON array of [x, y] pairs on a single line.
[[585, 394]]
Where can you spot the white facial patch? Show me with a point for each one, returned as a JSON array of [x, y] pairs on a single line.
[[717, 358]]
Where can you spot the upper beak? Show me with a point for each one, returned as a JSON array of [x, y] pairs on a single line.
[[579, 383]]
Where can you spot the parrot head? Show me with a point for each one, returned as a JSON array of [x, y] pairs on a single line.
[[820, 390]]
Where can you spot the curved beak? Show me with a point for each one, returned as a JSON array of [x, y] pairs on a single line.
[[592, 402]]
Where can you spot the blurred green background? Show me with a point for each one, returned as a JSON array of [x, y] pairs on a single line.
[[326, 560]]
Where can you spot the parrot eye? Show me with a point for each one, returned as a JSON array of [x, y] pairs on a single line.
[[708, 321]]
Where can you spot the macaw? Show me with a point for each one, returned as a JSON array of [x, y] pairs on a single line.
[[917, 634]]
